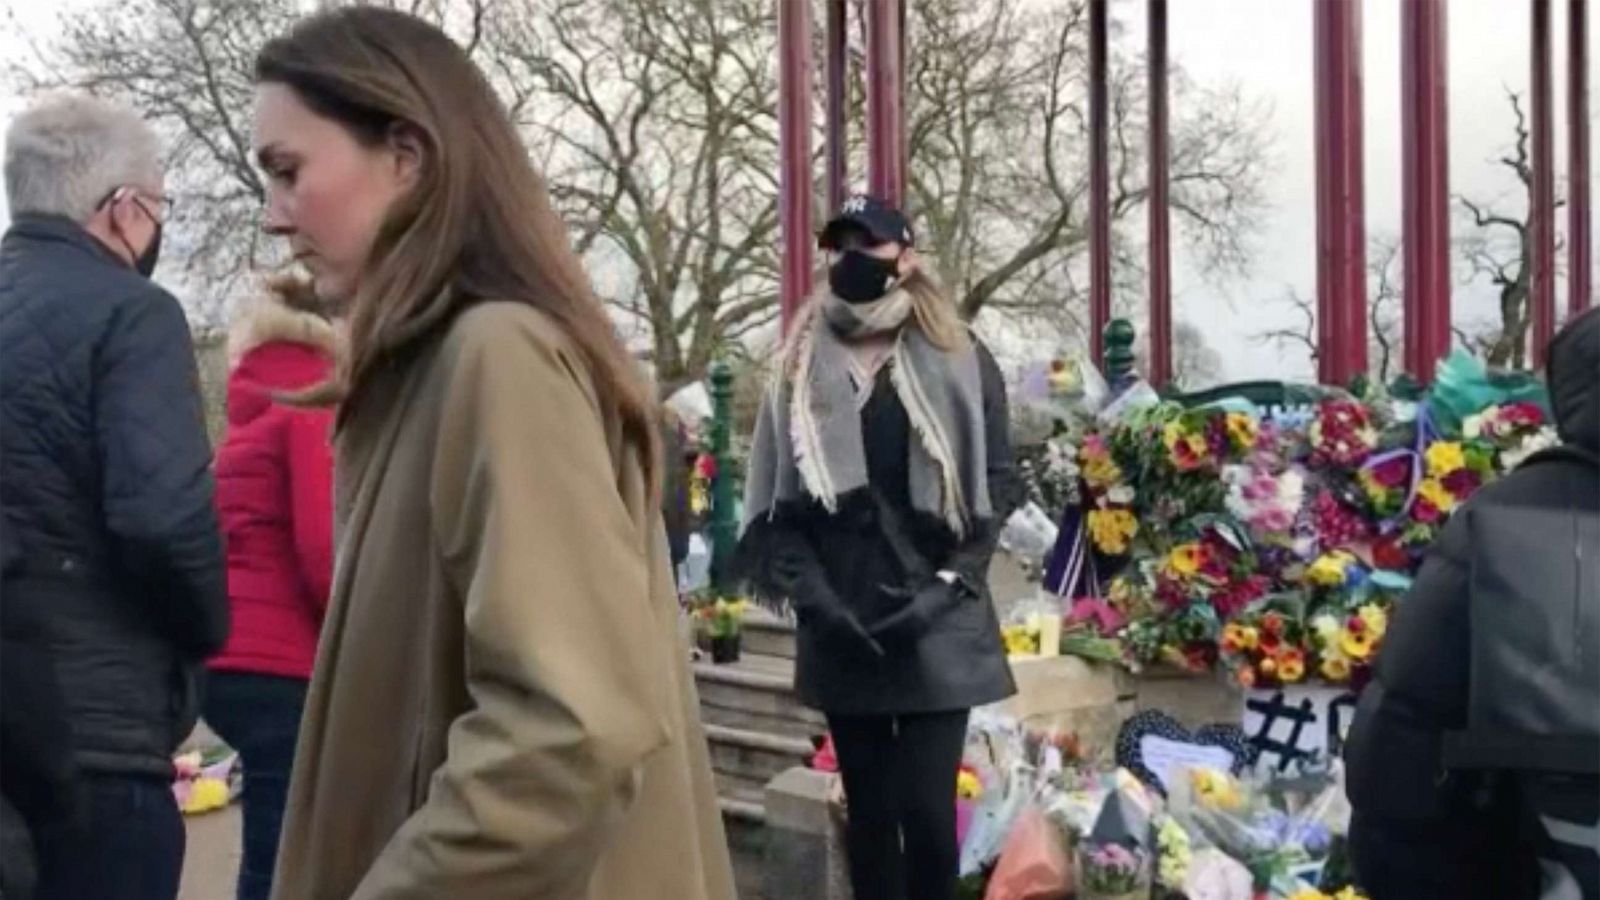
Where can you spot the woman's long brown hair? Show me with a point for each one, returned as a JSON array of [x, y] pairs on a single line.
[[479, 224]]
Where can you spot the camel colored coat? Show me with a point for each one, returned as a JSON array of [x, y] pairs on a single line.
[[502, 707]]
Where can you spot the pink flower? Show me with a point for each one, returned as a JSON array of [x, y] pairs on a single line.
[[1106, 619], [1523, 414], [1273, 520]]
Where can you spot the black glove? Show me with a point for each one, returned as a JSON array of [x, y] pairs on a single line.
[[921, 609], [820, 608]]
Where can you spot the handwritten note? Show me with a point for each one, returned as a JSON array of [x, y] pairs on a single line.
[[1166, 757]]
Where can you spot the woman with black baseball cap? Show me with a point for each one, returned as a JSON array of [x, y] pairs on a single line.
[[880, 475]]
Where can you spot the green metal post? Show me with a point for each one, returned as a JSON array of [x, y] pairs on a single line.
[[724, 523], [1119, 338]]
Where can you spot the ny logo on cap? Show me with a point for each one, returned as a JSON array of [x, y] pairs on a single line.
[[854, 205]]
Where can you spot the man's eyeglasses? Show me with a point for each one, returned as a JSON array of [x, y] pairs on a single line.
[[163, 204]]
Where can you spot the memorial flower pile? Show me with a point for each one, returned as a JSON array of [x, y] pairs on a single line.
[[1272, 545]]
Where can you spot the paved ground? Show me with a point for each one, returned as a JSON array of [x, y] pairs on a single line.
[[212, 862]]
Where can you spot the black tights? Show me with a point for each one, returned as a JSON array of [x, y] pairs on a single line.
[[900, 787]]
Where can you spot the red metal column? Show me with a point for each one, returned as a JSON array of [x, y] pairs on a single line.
[[1099, 186], [885, 102], [1341, 223], [838, 99], [794, 152], [1542, 296], [1425, 176], [1160, 225], [1580, 228]]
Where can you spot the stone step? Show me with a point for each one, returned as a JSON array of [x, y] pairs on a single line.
[[744, 761], [755, 694], [768, 634]]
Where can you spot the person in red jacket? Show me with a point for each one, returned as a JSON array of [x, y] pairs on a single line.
[[274, 497]]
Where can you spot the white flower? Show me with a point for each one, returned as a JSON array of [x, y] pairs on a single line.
[[1542, 439], [1122, 494], [1472, 426], [1291, 490]]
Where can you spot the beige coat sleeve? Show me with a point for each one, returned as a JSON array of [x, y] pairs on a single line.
[[562, 663]]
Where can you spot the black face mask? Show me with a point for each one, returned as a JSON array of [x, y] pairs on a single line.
[[860, 278], [146, 263]]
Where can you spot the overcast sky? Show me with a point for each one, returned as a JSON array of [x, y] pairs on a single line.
[[1265, 45]]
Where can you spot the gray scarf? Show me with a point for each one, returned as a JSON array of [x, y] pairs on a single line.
[[808, 438]]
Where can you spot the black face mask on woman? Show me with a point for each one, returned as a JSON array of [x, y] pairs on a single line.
[[859, 277]]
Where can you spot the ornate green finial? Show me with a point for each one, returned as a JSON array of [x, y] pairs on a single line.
[[1119, 338]]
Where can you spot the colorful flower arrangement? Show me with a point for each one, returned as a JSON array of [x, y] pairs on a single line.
[[720, 617], [1275, 545]]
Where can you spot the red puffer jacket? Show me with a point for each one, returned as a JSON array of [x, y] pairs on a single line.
[[275, 496]]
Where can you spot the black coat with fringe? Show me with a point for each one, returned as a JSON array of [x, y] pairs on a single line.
[[807, 555]]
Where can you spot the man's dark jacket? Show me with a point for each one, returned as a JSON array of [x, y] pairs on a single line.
[[1423, 828], [114, 563]]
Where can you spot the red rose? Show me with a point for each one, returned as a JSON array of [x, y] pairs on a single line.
[[1463, 482], [1272, 624], [1388, 554]]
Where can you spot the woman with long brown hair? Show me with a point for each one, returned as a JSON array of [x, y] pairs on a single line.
[[501, 706], [879, 477]]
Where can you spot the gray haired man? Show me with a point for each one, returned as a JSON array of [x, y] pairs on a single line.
[[114, 587]]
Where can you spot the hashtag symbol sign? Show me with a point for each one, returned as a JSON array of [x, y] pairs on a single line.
[[1278, 716]]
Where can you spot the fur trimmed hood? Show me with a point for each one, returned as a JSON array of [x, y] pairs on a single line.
[[275, 316]]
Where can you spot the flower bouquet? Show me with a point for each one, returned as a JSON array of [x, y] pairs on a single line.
[[720, 622], [1255, 823], [1112, 872]]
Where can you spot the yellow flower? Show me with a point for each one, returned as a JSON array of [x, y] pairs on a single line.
[[1336, 669], [1184, 560], [1357, 645], [1100, 470], [1215, 789], [1434, 491], [1020, 640], [1187, 449], [1291, 666], [1242, 430], [1112, 529], [1377, 619], [968, 786], [1329, 569], [1237, 638], [1445, 457]]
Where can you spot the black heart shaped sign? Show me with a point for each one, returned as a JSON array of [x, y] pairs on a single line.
[[1154, 746]]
